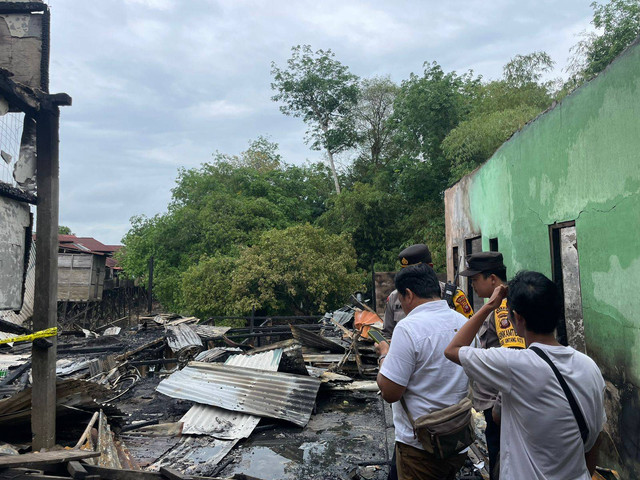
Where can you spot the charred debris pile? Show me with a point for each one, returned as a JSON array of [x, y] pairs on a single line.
[[175, 398]]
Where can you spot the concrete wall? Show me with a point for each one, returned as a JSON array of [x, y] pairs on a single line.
[[21, 47], [578, 162], [14, 220]]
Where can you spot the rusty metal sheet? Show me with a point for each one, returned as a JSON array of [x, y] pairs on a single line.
[[259, 392], [311, 339]]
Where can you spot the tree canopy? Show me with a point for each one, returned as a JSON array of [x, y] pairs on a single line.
[[324, 93]]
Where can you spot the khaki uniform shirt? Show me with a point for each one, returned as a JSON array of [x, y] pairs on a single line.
[[496, 331], [393, 310]]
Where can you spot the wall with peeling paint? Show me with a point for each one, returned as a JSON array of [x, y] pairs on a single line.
[[21, 47], [579, 161], [15, 219]]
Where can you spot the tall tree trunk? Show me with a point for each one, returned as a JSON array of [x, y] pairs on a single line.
[[333, 171]]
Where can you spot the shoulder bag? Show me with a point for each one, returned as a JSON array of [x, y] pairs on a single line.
[[445, 432]]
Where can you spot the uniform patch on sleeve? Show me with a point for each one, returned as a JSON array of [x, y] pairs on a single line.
[[462, 304]]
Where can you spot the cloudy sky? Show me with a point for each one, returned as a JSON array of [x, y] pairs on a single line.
[[162, 84]]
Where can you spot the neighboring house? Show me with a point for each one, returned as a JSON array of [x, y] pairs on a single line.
[[86, 268], [562, 197]]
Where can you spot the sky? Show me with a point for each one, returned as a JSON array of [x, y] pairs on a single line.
[[159, 85]]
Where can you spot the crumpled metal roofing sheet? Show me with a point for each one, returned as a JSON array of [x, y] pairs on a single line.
[[226, 424], [267, 394], [209, 331], [181, 336], [214, 353], [218, 422], [195, 455]]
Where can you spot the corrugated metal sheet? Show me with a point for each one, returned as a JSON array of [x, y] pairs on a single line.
[[268, 360], [268, 394], [181, 336], [214, 353], [226, 424], [209, 331], [195, 455], [218, 422], [8, 360], [311, 339]]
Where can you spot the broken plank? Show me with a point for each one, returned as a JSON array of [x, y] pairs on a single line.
[[27, 474], [173, 474], [107, 473], [44, 458], [87, 430], [78, 472], [358, 386], [326, 358], [126, 355]]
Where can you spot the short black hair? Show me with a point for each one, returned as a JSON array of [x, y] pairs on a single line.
[[420, 279], [501, 273], [537, 300]]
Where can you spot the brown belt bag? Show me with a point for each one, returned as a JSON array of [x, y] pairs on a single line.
[[445, 432]]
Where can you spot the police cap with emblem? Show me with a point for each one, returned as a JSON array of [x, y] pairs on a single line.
[[483, 262], [414, 255]]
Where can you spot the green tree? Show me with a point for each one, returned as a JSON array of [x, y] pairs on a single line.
[[524, 70], [301, 270], [63, 230], [369, 216], [619, 24], [217, 210], [262, 156], [501, 108], [373, 114], [206, 287], [323, 92], [427, 108]]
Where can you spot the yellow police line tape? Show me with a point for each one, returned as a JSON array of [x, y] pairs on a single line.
[[49, 332]]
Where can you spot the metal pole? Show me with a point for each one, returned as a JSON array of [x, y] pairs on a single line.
[[43, 396]]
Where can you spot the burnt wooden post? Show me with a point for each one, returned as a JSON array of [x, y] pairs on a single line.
[[374, 300], [150, 287], [43, 396]]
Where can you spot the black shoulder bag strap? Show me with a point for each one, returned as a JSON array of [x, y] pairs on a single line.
[[582, 424]]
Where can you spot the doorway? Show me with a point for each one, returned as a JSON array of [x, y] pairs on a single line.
[[565, 267]]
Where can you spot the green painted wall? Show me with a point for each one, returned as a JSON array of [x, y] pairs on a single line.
[[580, 161]]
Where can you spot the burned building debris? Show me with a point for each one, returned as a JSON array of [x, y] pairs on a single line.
[[174, 398]]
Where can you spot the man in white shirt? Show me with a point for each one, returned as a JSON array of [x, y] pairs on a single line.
[[414, 367], [540, 437]]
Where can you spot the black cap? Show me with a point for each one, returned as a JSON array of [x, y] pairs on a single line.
[[414, 255], [482, 262]]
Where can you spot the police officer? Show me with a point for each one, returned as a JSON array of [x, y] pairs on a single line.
[[488, 271], [393, 313]]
